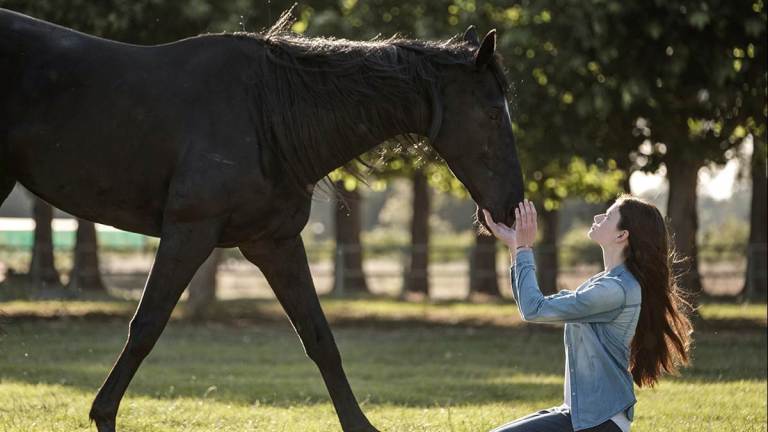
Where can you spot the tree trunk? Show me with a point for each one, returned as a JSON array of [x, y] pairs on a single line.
[[483, 279], [42, 272], [755, 282], [547, 261], [684, 221], [202, 287], [349, 277], [417, 276], [85, 274]]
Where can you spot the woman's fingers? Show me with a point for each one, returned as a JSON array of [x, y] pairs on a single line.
[[491, 224], [525, 222], [499, 230], [488, 218], [528, 213]]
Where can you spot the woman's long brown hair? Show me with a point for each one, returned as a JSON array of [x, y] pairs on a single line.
[[663, 336]]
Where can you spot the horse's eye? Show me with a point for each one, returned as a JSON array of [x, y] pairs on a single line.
[[494, 114]]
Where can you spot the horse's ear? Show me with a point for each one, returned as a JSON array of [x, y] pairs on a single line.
[[470, 36], [484, 55]]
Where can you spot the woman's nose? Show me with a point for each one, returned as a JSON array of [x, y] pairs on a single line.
[[597, 218]]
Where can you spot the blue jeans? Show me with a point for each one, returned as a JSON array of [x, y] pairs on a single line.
[[551, 420]]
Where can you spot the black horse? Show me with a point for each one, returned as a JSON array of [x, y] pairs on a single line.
[[218, 141]]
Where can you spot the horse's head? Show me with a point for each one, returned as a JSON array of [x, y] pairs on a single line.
[[475, 135]]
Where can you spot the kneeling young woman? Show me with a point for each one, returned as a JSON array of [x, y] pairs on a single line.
[[625, 324]]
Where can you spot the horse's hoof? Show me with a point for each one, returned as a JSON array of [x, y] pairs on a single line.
[[104, 422], [362, 428], [105, 426]]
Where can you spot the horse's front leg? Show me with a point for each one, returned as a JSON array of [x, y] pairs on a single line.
[[284, 263], [183, 248]]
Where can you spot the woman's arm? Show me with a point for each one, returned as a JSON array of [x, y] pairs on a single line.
[[600, 301]]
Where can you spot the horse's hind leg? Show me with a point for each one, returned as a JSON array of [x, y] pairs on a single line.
[[183, 247], [284, 263]]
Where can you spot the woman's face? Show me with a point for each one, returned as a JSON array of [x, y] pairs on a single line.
[[604, 230]]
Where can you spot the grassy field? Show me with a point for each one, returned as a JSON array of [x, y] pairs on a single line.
[[414, 367]]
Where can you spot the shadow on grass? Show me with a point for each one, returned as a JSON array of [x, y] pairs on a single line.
[[422, 365], [355, 312], [374, 312]]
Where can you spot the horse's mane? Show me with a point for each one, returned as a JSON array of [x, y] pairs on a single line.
[[307, 83]]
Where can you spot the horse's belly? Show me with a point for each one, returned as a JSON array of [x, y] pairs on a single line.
[[85, 179], [121, 206]]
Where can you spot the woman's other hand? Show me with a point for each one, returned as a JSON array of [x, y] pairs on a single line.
[[502, 232], [525, 224]]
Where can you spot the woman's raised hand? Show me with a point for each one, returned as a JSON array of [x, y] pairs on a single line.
[[502, 232], [525, 223]]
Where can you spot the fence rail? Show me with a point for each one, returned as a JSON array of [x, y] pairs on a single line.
[[723, 270]]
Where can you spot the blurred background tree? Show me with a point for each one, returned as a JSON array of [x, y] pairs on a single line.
[[602, 89], [42, 270]]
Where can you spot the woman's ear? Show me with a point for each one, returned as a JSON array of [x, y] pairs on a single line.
[[623, 236]]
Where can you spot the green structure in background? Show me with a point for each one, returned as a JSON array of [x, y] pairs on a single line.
[[64, 239]]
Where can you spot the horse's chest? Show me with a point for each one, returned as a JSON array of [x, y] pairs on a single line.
[[274, 215]]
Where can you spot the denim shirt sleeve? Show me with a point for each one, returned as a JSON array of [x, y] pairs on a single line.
[[600, 300]]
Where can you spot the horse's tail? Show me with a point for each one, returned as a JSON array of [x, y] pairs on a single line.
[[10, 59], [10, 75]]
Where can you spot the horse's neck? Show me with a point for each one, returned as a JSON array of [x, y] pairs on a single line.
[[367, 123]]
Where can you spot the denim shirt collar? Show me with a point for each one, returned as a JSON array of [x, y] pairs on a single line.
[[617, 270]]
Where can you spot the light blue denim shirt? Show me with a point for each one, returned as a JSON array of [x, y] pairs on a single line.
[[600, 318]]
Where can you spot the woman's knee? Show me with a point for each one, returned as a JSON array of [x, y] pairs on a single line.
[[549, 420]]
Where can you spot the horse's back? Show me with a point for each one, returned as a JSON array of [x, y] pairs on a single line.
[[98, 128]]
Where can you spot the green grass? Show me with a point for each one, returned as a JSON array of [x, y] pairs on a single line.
[[503, 313], [414, 367]]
